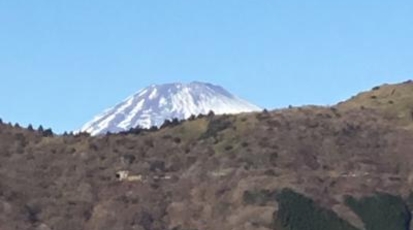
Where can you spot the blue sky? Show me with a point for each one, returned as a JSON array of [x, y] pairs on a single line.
[[62, 62]]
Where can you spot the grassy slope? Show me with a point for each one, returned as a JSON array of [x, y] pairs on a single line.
[[395, 102]]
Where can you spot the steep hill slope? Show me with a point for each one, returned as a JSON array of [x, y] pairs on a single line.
[[301, 168]]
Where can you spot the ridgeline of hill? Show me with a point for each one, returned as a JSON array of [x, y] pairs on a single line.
[[349, 166]]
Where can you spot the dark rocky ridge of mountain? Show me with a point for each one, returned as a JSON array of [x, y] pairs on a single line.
[[219, 172]]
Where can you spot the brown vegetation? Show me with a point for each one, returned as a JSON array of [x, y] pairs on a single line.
[[210, 172]]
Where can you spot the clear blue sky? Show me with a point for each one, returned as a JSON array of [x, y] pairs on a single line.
[[62, 62]]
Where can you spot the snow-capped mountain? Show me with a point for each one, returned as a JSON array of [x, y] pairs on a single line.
[[153, 105]]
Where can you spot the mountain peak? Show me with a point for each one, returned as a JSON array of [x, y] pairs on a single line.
[[154, 104]]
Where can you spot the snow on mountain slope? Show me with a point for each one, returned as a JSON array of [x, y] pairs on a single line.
[[152, 105]]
